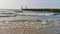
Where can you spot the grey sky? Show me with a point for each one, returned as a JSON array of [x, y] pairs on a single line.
[[16, 4]]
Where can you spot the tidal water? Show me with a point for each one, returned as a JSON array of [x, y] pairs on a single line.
[[55, 18], [49, 30]]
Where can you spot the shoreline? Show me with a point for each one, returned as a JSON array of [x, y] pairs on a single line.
[[26, 27]]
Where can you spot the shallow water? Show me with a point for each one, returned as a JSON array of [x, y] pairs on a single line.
[[49, 30], [31, 19], [55, 18]]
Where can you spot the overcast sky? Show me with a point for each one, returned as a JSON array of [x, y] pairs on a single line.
[[16, 4]]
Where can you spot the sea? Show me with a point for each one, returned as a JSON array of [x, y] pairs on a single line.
[[49, 30]]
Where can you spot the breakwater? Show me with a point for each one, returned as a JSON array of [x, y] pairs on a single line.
[[44, 10]]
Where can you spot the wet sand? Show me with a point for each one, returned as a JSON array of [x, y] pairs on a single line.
[[49, 30]]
